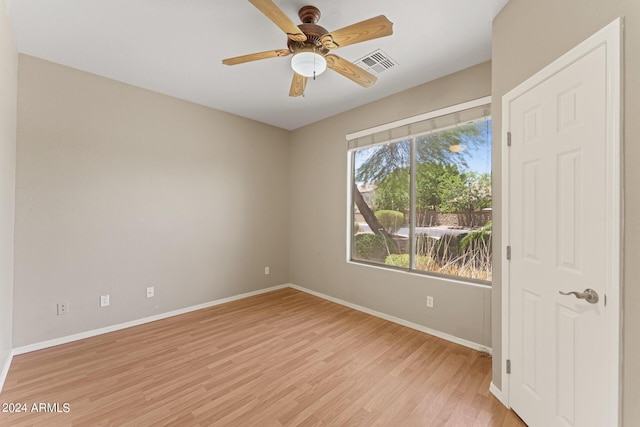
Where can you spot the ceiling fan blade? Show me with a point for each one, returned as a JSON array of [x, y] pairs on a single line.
[[350, 70], [365, 30], [256, 56], [298, 84], [278, 17]]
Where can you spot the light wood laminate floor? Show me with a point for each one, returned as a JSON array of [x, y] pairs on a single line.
[[284, 358]]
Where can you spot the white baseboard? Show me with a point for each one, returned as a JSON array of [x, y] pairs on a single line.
[[498, 394], [70, 338], [5, 369], [398, 320], [112, 328]]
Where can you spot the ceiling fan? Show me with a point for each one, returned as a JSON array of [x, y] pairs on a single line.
[[310, 45]]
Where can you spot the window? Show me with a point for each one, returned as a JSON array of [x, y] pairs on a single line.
[[421, 195]]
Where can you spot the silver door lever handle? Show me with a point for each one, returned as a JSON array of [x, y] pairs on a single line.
[[589, 295]]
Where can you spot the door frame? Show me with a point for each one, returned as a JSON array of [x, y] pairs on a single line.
[[611, 36]]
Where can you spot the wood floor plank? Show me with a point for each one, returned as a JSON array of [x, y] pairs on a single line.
[[284, 358]]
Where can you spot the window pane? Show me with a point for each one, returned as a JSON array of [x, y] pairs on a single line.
[[453, 201], [381, 204]]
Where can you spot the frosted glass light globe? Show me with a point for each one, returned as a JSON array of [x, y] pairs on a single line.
[[305, 63]]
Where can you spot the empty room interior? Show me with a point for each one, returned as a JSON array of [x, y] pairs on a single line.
[[285, 212]]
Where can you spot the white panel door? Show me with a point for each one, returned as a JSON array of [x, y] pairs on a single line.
[[559, 233]]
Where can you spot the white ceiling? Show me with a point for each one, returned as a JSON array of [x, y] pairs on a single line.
[[176, 47]]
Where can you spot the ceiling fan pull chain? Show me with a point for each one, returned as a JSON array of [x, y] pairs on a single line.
[[314, 63]]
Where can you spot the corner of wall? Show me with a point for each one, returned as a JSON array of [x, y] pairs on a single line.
[[8, 124]]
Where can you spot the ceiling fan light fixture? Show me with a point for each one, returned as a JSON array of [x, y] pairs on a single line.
[[308, 64]]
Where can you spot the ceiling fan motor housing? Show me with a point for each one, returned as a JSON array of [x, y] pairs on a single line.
[[314, 34], [309, 15]]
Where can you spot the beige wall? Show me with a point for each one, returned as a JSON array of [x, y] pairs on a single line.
[[8, 88], [527, 36], [119, 188], [319, 217]]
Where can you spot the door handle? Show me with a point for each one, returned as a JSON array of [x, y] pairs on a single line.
[[589, 295]]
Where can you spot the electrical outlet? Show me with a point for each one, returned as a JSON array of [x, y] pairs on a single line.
[[430, 302], [151, 291], [63, 308], [104, 301], [266, 271]]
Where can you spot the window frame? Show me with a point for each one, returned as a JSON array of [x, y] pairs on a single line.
[[350, 241]]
